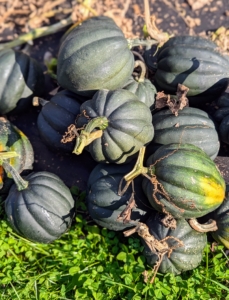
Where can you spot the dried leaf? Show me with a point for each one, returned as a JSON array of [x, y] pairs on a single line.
[[175, 103]]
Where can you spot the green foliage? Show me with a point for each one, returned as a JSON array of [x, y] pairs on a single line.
[[90, 262]]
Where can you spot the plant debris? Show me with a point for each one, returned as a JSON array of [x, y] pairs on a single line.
[[174, 103]]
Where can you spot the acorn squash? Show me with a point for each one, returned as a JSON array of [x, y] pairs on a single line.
[[196, 63], [115, 125], [185, 243], [104, 202], [94, 56], [192, 125], [188, 183], [55, 117], [39, 207], [21, 78]]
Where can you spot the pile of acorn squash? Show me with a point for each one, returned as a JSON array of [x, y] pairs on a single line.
[[155, 172]]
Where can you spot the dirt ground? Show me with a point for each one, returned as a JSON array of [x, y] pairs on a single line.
[[173, 16], [176, 17]]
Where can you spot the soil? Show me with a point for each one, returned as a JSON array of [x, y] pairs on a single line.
[[177, 17]]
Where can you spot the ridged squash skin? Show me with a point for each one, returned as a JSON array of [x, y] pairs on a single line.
[[192, 125], [190, 179], [221, 216], [94, 56], [182, 258], [195, 63], [55, 117], [21, 78], [43, 211], [145, 90], [13, 139], [103, 202], [129, 125]]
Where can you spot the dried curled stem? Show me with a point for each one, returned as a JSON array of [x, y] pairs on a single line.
[[209, 226], [160, 248]]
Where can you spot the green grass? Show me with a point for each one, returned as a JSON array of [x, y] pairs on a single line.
[[90, 262]]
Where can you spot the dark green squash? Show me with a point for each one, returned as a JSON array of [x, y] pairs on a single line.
[[223, 100], [13, 139], [141, 86], [182, 258], [192, 126], [195, 63], [55, 117], [105, 204], [224, 130], [222, 107], [39, 207], [123, 125], [94, 56], [190, 179], [21, 79], [221, 216]]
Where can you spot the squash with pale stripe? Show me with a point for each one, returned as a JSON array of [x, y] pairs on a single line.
[[191, 185]]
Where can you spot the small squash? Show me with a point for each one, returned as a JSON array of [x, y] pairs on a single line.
[[21, 78], [105, 204], [192, 125], [141, 86], [117, 126], [55, 117], [94, 56], [39, 207]]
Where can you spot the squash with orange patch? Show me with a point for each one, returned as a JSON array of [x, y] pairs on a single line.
[[187, 183], [13, 139]]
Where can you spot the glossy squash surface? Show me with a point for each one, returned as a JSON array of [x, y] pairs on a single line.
[[43, 211]]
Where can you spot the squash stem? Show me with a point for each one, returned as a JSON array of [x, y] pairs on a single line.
[[141, 64], [39, 101], [86, 136], [7, 155], [136, 42], [209, 226], [138, 168], [19, 181]]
